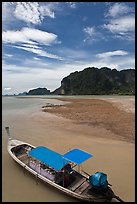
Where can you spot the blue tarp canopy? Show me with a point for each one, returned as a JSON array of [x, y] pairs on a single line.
[[77, 156], [49, 157]]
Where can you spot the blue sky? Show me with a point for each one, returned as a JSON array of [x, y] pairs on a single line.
[[43, 42]]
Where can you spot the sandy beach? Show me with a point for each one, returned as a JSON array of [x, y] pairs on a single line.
[[104, 127], [115, 115]]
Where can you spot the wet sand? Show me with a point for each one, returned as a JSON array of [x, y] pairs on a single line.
[[115, 115], [112, 153]]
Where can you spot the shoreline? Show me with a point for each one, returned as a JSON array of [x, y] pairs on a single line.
[[115, 115]]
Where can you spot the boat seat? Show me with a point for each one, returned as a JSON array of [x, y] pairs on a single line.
[[77, 184], [83, 187]]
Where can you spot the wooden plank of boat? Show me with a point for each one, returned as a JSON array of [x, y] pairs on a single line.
[[77, 184], [83, 187]]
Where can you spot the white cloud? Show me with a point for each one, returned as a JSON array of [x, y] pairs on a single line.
[[112, 53], [40, 74], [90, 31], [47, 10], [7, 88], [8, 55], [36, 58], [73, 54], [33, 12], [30, 45], [121, 21], [28, 35], [118, 9], [29, 38], [39, 52], [29, 77], [92, 35], [28, 12], [121, 25]]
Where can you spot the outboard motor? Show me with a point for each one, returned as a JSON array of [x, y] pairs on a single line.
[[99, 181]]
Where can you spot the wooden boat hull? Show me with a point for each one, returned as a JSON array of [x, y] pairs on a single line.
[[15, 143]]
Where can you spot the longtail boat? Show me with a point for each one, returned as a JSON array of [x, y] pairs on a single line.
[[59, 171]]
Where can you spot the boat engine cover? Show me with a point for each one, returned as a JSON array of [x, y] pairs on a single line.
[[99, 180]]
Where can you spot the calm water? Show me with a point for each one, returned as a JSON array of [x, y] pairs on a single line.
[[17, 186], [28, 123]]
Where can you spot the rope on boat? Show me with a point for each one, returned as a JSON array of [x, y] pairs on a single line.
[[85, 172], [118, 198]]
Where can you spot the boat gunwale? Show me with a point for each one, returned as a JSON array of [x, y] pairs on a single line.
[[46, 180]]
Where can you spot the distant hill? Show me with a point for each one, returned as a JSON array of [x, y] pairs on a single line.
[[37, 91], [94, 81], [23, 94]]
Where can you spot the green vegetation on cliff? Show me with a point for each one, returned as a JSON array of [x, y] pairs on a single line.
[[94, 81], [37, 91]]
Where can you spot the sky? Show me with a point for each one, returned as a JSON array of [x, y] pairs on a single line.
[[43, 42]]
